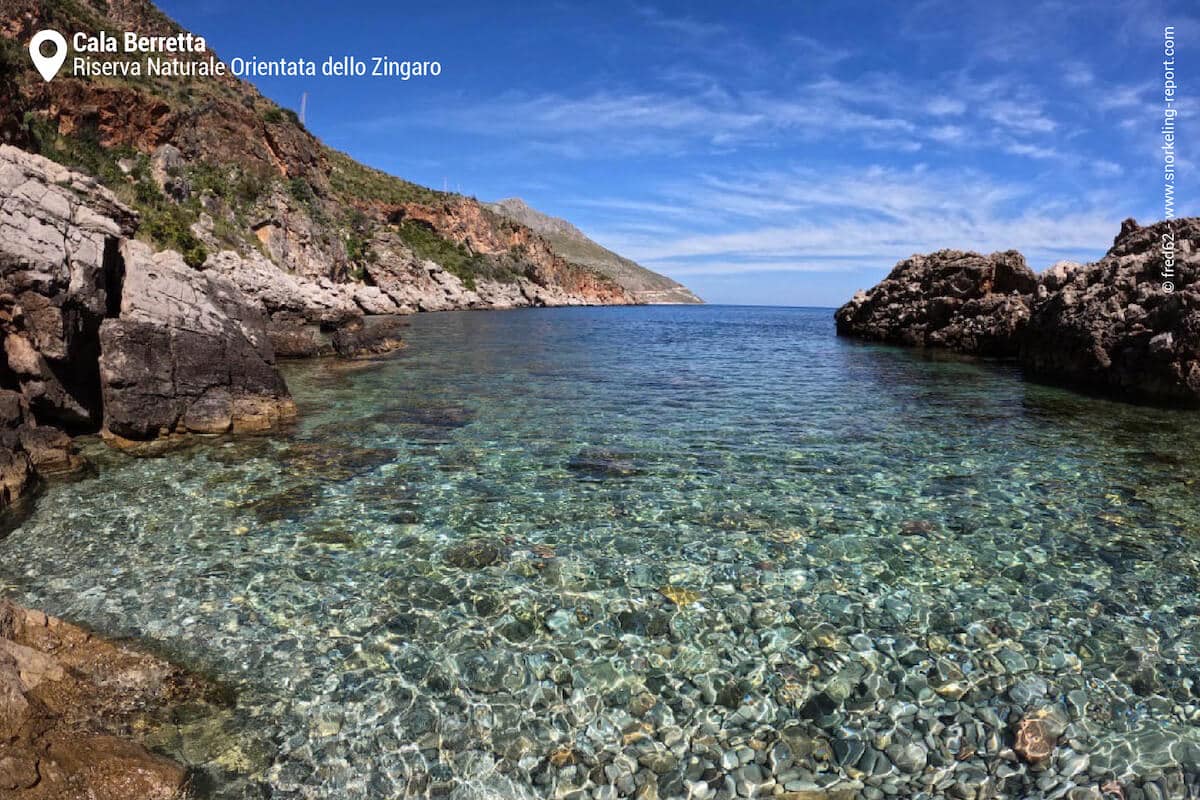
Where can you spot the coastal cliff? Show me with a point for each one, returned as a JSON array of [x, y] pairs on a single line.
[[1108, 326], [571, 243], [236, 184]]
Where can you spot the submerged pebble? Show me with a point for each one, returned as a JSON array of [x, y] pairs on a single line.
[[786, 567]]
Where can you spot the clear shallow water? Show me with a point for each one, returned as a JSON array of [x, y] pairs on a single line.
[[457, 574]]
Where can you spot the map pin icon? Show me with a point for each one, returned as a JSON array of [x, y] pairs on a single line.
[[51, 64]]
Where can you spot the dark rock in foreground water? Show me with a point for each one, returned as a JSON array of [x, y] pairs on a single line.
[[1127, 325]]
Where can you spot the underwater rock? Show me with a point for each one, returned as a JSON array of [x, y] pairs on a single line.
[[599, 463], [474, 554], [1034, 742]]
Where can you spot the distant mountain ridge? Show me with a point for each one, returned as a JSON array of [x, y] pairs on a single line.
[[573, 245]]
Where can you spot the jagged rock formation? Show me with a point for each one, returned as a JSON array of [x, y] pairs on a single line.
[[571, 243], [1108, 326], [961, 301], [100, 332], [67, 698]]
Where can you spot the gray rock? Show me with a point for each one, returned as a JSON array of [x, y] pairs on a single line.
[[188, 353]]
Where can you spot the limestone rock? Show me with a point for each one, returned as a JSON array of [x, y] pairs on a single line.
[[59, 276], [188, 353], [1110, 326], [961, 301]]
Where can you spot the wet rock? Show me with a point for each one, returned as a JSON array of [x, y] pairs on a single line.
[[61, 690], [489, 671], [1034, 741], [50, 451], [601, 463]]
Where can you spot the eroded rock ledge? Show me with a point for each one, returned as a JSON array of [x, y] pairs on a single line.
[[68, 704], [1108, 326]]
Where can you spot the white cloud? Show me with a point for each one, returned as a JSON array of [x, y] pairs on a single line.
[[1031, 151], [1023, 117], [1078, 75], [945, 106], [948, 134], [844, 220]]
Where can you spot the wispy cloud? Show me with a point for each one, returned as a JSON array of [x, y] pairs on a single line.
[[840, 220]]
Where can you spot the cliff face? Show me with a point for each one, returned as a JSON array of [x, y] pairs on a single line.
[[232, 181], [1108, 326], [571, 243]]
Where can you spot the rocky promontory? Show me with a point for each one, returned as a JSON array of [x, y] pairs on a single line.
[[1112, 326], [960, 301]]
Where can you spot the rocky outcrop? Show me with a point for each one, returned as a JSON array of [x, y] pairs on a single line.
[[961, 301], [187, 354], [59, 277], [1110, 326], [68, 699], [99, 331]]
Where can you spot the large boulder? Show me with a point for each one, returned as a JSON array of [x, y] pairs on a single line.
[[188, 353], [1111, 326], [961, 301]]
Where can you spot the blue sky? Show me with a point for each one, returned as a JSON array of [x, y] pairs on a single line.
[[760, 152]]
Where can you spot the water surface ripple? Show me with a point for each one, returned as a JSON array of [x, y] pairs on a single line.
[[657, 552]]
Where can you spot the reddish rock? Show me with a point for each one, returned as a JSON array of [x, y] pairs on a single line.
[[1035, 740], [63, 694]]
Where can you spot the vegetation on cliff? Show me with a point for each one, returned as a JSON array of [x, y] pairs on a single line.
[[211, 164]]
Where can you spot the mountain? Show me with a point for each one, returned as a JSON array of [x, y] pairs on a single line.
[[571, 243], [240, 188]]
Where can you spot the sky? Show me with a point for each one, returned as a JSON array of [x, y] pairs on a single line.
[[761, 152]]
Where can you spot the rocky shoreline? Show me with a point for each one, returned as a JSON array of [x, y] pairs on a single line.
[[73, 707], [1108, 326]]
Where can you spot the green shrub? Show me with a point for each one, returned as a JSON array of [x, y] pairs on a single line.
[[456, 259]]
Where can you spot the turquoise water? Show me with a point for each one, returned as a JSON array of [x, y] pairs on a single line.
[[456, 575]]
